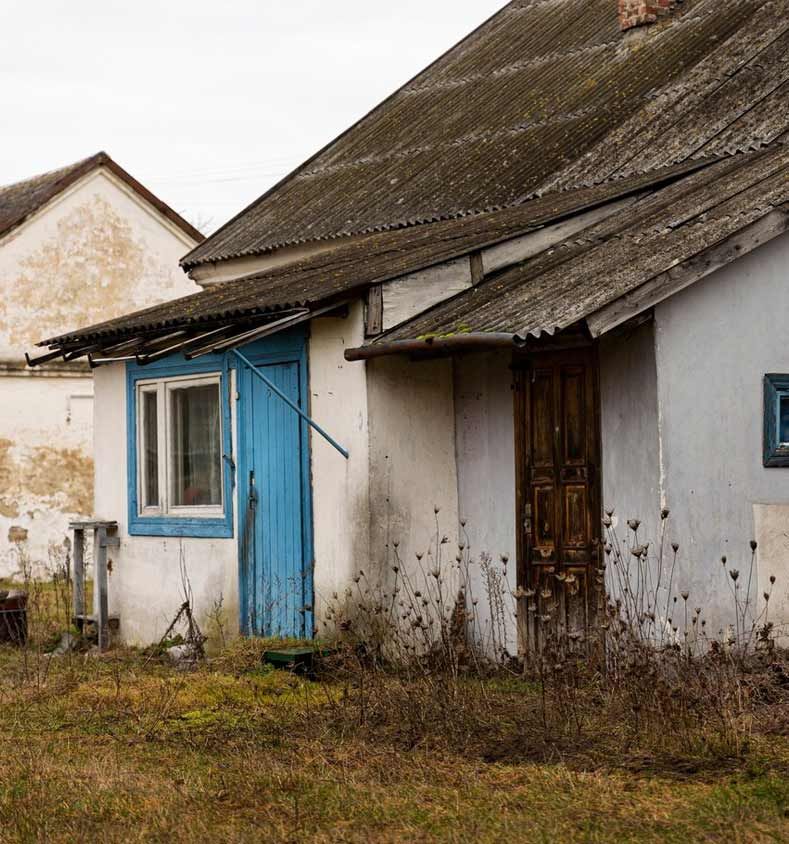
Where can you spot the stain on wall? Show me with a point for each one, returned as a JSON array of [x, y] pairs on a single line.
[[54, 477], [93, 268], [93, 254], [41, 489]]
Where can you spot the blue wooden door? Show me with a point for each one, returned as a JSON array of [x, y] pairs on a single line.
[[275, 529]]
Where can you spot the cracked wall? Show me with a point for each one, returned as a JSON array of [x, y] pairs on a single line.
[[94, 253]]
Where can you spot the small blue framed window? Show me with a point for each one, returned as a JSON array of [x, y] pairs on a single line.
[[180, 448], [776, 420]]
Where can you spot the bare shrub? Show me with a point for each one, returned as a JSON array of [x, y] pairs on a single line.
[[413, 657]]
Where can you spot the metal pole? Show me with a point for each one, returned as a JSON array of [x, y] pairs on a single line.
[[273, 387]]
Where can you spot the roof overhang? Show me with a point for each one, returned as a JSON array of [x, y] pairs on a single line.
[[191, 342], [616, 269], [437, 345]]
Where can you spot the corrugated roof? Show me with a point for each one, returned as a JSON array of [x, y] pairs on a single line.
[[569, 282], [547, 94], [354, 265], [22, 199]]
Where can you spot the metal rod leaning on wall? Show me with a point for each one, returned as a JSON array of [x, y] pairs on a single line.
[[273, 387]]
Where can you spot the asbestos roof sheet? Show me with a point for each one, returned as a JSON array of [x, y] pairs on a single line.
[[569, 282], [354, 265], [21, 200], [546, 95]]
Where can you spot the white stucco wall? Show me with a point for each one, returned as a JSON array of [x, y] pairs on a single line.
[[412, 459], [485, 442], [145, 586], [629, 431], [338, 397], [94, 252], [715, 342]]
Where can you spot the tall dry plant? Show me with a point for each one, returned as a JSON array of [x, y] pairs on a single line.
[[418, 651]]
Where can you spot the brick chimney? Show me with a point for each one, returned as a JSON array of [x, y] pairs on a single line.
[[641, 12]]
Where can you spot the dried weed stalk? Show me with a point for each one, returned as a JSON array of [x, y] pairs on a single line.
[[416, 657]]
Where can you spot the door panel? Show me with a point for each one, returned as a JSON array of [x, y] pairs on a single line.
[[274, 495], [544, 524], [542, 414], [573, 415], [558, 431]]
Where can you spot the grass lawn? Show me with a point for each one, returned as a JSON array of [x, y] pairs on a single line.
[[122, 748]]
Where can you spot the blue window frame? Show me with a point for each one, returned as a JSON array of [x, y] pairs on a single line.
[[155, 396], [776, 420]]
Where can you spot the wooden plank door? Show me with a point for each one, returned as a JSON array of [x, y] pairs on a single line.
[[557, 410], [275, 536]]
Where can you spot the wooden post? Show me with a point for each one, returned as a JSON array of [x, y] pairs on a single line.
[[102, 609], [78, 585], [374, 319]]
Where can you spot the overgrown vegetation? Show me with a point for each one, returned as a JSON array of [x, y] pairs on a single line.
[[421, 725], [637, 675]]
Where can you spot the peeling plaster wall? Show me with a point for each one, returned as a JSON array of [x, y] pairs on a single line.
[[485, 443], [715, 342], [93, 253], [46, 465], [412, 459], [145, 584], [341, 507]]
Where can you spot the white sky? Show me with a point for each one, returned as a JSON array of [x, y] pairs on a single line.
[[206, 103]]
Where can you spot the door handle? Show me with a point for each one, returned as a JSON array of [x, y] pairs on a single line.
[[253, 490]]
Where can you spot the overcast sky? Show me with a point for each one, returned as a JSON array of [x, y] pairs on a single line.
[[206, 103]]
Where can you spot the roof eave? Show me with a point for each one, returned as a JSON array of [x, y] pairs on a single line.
[[437, 345]]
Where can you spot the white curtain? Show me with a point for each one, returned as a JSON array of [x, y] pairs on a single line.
[[196, 447]]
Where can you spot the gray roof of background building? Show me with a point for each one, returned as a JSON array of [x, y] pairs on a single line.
[[21, 200]]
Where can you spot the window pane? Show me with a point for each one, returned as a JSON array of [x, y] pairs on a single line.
[[783, 419], [150, 444], [196, 452]]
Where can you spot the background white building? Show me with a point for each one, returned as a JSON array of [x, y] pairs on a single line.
[[78, 244]]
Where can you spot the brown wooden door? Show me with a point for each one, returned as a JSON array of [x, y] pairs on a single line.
[[558, 489]]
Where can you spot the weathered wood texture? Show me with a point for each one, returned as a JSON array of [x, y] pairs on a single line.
[[374, 317], [100, 562], [79, 571], [104, 537], [409, 295], [672, 281], [558, 480]]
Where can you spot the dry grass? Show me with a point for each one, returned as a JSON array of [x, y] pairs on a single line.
[[404, 736], [124, 746]]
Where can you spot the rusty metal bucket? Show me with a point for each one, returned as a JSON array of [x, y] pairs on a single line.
[[13, 617]]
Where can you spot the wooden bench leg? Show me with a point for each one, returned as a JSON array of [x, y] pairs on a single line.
[[102, 609], [78, 585]]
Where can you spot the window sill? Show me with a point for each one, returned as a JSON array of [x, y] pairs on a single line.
[[776, 458], [174, 527]]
